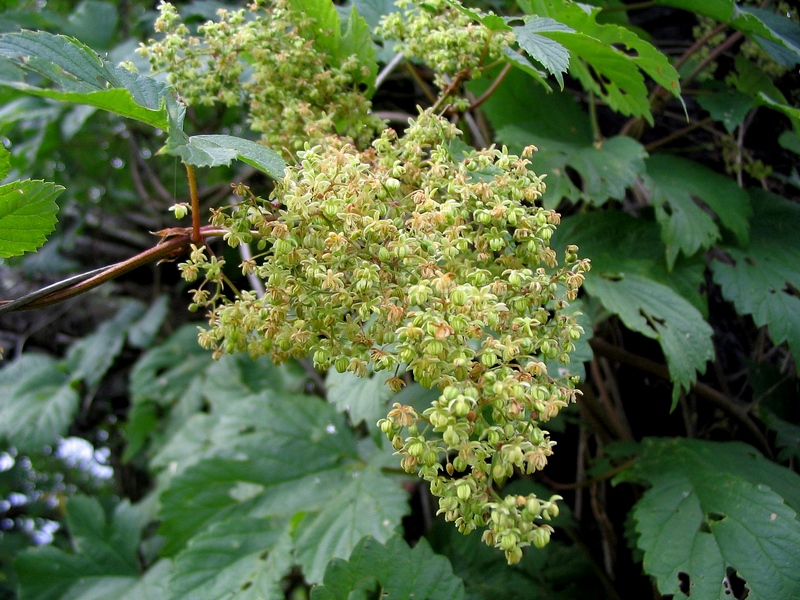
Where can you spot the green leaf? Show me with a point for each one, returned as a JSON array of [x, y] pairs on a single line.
[[617, 58], [37, 402], [83, 77], [5, 162], [27, 214], [277, 455], [369, 504], [364, 399], [714, 506], [238, 558], [725, 104], [685, 226], [658, 312], [562, 133], [751, 80], [106, 559], [165, 373], [114, 544], [47, 573], [778, 35], [619, 245], [323, 27], [760, 279], [550, 54], [357, 41], [719, 10], [395, 569], [301, 431], [91, 357], [142, 333], [94, 23], [221, 150]]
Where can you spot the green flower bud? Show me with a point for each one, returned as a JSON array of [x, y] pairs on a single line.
[[541, 537], [341, 363], [463, 490], [508, 541]]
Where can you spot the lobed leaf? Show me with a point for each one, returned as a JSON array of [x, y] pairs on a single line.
[[368, 504], [675, 184], [778, 35], [323, 27], [762, 276], [106, 562], [27, 215], [357, 41], [552, 55], [657, 311], [562, 134], [222, 150], [620, 245], [90, 358], [714, 506], [238, 558], [395, 569], [613, 74], [364, 399]]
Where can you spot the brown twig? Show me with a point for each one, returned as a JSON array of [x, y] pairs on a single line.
[[178, 241]]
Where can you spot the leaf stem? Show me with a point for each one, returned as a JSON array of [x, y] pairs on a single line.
[[195, 199]]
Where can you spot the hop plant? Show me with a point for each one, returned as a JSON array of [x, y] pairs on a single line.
[[446, 39], [421, 255], [259, 58]]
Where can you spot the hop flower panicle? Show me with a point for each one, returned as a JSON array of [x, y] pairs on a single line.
[[384, 258], [285, 79], [405, 253], [448, 40]]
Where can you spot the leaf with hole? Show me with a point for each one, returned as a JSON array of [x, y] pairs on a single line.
[[704, 517]]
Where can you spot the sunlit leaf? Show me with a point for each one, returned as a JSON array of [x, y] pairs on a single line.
[[222, 150], [81, 76], [27, 215], [363, 398], [369, 504], [235, 559], [357, 41]]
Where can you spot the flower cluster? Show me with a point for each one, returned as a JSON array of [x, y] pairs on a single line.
[[446, 39], [418, 255], [260, 58]]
